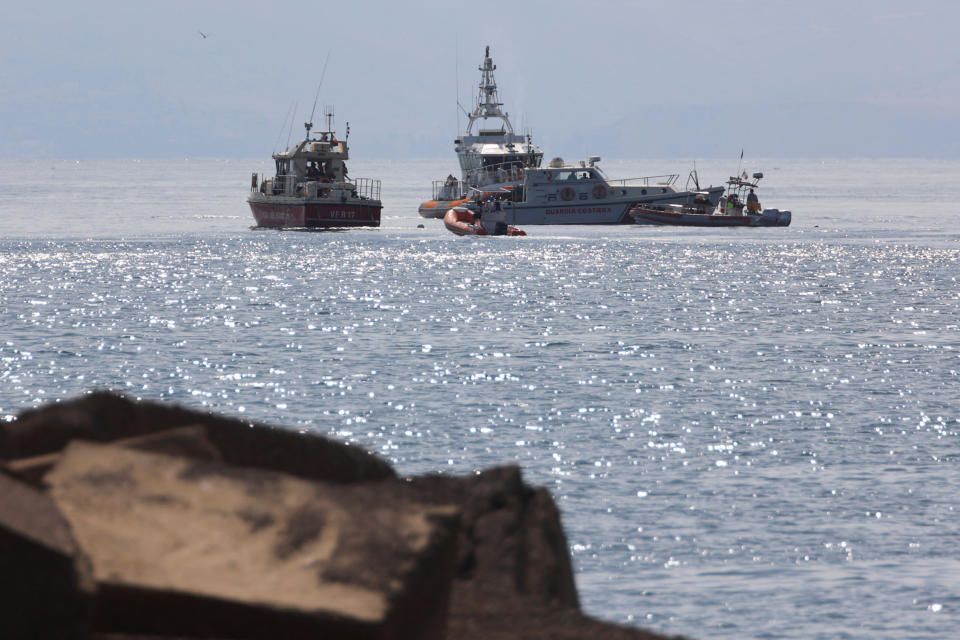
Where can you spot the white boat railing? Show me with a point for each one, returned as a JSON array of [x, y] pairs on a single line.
[[288, 185], [367, 188], [474, 178], [667, 178], [447, 189], [495, 174], [281, 185]]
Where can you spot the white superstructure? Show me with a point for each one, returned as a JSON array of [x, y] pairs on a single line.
[[492, 148], [488, 152]]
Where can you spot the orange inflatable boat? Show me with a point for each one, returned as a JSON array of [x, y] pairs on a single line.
[[464, 222]]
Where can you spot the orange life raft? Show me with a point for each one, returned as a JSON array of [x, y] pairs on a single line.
[[464, 222]]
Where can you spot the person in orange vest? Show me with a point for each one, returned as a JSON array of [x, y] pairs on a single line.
[[753, 202]]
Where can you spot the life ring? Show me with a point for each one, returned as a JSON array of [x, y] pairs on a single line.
[[600, 191], [567, 193]]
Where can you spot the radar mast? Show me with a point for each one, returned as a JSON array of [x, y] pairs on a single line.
[[488, 105]]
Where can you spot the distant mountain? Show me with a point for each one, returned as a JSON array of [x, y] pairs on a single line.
[[816, 129], [123, 128]]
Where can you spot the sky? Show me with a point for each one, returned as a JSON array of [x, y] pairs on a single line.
[[615, 78]]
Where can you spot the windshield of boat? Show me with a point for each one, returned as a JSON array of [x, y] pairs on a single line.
[[518, 160], [576, 174]]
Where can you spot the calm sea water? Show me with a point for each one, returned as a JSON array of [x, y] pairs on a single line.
[[751, 432]]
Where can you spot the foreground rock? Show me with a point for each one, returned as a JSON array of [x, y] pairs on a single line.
[[511, 540], [249, 553], [46, 588], [104, 417], [191, 525], [187, 442]]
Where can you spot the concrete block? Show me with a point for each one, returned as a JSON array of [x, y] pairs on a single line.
[[512, 542], [199, 549], [188, 442], [104, 417], [46, 589]]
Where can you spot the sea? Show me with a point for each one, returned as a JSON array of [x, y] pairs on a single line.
[[750, 433]]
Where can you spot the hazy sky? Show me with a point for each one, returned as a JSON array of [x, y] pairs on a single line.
[[607, 77]]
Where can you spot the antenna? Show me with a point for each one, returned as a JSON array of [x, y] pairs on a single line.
[[309, 125], [283, 126], [290, 130], [328, 113], [462, 108], [693, 177], [456, 58]]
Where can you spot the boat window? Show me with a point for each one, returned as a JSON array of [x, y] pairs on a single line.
[[498, 160], [565, 175]]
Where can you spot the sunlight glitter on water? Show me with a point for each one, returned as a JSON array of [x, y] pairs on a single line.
[[767, 394]]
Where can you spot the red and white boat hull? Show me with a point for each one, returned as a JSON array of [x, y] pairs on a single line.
[[296, 212]]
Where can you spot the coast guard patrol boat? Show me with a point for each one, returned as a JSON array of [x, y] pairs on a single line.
[[501, 165], [583, 194]]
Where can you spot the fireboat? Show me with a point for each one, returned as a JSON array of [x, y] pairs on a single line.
[[311, 188]]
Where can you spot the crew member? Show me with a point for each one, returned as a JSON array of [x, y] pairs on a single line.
[[701, 205], [753, 202]]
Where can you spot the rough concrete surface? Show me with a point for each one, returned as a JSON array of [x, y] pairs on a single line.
[[103, 417], [245, 539], [46, 589], [188, 442]]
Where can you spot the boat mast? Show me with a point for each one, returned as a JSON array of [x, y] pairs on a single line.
[[309, 125], [329, 115], [488, 105]]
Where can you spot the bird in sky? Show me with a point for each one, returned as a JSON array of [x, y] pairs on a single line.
[[202, 34]]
